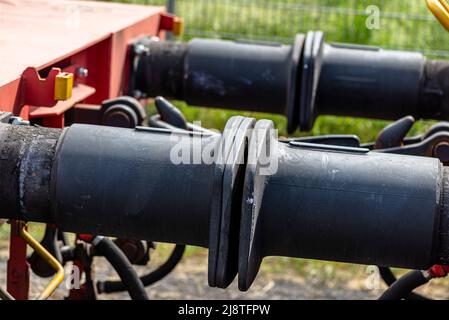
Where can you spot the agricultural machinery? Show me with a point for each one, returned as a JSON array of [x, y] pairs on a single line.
[[80, 155]]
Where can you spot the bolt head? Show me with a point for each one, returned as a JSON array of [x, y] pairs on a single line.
[[137, 94], [140, 49], [82, 72], [18, 121]]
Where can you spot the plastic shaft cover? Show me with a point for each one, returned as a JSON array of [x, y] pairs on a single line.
[[141, 183], [155, 184], [340, 205], [370, 82], [173, 186], [226, 74]]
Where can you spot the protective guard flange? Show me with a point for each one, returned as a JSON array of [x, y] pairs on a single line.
[[250, 256], [311, 70], [226, 201], [293, 94]]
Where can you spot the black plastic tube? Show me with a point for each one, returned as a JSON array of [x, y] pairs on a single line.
[[131, 281], [150, 278], [403, 287], [215, 73]]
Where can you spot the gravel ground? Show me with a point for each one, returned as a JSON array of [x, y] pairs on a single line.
[[189, 281]]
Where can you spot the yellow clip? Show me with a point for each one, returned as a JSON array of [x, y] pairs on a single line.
[[178, 26], [56, 281], [440, 9], [63, 86]]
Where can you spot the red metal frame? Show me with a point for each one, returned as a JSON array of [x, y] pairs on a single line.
[[103, 53], [98, 43], [35, 90], [18, 277]]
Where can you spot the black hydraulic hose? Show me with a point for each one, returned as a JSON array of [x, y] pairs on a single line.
[[404, 286], [389, 278], [149, 279], [62, 236], [107, 248], [387, 275]]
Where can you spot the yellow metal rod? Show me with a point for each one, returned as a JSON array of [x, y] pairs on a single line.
[[59, 277], [440, 9], [4, 295]]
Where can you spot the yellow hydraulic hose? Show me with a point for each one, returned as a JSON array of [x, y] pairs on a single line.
[[59, 277], [440, 9]]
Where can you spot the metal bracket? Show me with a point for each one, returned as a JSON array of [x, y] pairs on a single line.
[[40, 92], [170, 22]]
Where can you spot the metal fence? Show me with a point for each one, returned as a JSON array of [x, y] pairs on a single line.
[[398, 24]]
